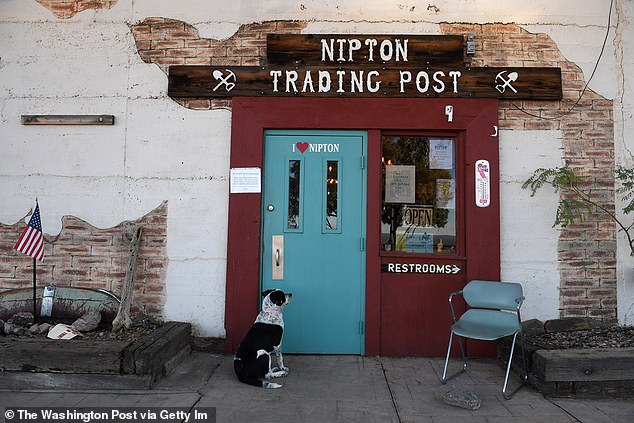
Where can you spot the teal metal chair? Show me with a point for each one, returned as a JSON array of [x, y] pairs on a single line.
[[493, 314]]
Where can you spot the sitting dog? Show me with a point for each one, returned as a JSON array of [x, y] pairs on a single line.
[[252, 361]]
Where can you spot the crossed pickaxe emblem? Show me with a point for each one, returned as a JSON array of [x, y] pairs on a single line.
[[228, 81], [506, 82]]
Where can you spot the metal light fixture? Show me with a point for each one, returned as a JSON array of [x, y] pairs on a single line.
[[471, 45]]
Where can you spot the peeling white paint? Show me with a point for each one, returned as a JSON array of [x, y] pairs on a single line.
[[538, 11]]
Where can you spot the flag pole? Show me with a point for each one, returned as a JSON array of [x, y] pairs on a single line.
[[35, 282], [34, 290], [31, 243]]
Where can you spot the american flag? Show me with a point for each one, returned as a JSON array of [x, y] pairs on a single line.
[[31, 242]]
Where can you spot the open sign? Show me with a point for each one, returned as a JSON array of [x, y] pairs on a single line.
[[418, 216]]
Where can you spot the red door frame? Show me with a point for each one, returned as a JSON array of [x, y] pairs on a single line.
[[252, 115]]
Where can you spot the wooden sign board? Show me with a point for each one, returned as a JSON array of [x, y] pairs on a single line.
[[360, 50], [352, 82], [425, 268]]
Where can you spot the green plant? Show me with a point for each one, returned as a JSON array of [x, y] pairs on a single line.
[[576, 196]]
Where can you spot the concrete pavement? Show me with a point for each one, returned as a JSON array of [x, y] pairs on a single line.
[[337, 389]]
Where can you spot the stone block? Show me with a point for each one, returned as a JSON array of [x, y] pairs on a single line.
[[459, 398]]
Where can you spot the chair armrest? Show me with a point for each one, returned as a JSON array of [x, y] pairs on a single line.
[[519, 301], [453, 294]]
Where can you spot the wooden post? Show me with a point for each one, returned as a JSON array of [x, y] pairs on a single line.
[[123, 321], [34, 290]]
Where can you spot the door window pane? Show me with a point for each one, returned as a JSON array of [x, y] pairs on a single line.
[[294, 192], [419, 194], [332, 196]]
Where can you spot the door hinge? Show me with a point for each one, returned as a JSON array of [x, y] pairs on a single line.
[[361, 327], [362, 244]]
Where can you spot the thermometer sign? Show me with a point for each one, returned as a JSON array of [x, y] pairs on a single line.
[[482, 183]]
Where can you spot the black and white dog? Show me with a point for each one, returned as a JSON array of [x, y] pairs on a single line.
[[252, 361]]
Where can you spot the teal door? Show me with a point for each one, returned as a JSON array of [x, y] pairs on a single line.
[[313, 240]]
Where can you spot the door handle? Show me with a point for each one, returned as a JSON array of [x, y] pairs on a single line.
[[277, 268]]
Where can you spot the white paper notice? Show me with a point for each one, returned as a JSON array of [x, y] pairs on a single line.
[[245, 180], [400, 184], [440, 154]]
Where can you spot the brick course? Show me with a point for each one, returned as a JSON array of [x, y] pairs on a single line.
[[65, 9], [88, 257], [157, 44], [587, 250], [585, 122]]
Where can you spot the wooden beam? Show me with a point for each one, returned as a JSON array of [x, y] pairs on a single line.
[[67, 119], [592, 364], [503, 83], [44, 355]]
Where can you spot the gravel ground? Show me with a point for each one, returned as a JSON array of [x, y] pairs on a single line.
[[611, 337], [135, 332], [141, 326]]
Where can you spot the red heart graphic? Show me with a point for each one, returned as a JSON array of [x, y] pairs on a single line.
[[302, 146]]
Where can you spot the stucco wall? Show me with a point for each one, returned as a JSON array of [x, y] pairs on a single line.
[[528, 241], [159, 150], [624, 145]]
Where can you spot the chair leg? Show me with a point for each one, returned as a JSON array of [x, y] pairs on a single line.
[[446, 379], [508, 368]]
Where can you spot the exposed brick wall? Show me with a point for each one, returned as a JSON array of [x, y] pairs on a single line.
[[587, 251], [166, 42], [65, 9], [85, 256]]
